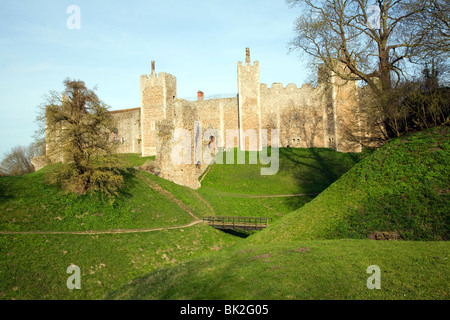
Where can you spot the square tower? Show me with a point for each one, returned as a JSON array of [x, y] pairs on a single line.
[[249, 105], [342, 127], [157, 93], [347, 117]]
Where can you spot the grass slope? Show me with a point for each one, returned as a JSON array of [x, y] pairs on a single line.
[[300, 171], [28, 203], [199, 262], [235, 189], [315, 269], [34, 266], [403, 187]]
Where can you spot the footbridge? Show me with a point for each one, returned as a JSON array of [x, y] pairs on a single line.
[[238, 223]]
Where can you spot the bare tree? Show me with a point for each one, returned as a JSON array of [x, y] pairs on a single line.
[[18, 161], [373, 40], [378, 42], [434, 21]]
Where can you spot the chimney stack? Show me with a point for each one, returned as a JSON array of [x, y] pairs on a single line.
[[153, 66], [200, 96]]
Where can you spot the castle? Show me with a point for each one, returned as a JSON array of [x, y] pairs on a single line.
[[306, 117]]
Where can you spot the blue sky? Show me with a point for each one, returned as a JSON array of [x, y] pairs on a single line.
[[199, 42]]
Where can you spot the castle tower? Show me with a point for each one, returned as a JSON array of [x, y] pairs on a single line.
[[157, 93], [347, 113], [249, 105], [340, 110]]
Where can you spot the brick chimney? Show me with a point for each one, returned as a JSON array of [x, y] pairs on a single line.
[[200, 96]]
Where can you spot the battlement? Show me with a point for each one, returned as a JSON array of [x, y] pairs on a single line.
[[290, 89], [155, 79], [255, 64], [159, 76]]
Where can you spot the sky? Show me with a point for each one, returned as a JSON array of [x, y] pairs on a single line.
[[199, 42]]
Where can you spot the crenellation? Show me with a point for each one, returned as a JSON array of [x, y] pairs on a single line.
[[307, 86], [276, 86], [291, 86]]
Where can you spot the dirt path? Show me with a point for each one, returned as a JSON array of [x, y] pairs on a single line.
[[204, 201], [274, 195], [170, 196], [152, 185], [237, 195], [116, 231]]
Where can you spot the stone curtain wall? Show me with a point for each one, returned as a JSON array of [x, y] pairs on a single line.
[[182, 152], [179, 145], [128, 125], [326, 116], [52, 141], [219, 115], [297, 112]]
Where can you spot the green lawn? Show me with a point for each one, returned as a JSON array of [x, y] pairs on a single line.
[[300, 171], [304, 254], [314, 269], [227, 187], [402, 188], [29, 204], [34, 266]]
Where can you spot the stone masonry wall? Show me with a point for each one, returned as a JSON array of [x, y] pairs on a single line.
[[157, 92], [219, 115], [297, 112], [178, 142], [128, 126]]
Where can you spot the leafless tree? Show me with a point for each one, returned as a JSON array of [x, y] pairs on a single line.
[[376, 41], [18, 161]]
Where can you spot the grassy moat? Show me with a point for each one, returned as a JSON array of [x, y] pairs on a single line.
[[327, 209]]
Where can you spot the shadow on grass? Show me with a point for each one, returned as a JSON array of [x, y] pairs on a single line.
[[239, 233], [315, 169], [4, 194], [130, 182]]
